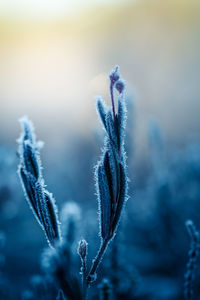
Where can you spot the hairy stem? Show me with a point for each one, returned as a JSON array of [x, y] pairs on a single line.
[[97, 260], [84, 279]]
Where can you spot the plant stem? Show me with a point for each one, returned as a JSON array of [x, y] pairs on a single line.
[[112, 99], [97, 260], [84, 279]]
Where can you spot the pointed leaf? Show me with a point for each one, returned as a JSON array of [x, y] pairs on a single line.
[[101, 108], [104, 201]]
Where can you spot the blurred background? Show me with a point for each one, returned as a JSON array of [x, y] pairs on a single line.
[[55, 56]]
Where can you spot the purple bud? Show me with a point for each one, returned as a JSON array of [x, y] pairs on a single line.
[[120, 85], [114, 75]]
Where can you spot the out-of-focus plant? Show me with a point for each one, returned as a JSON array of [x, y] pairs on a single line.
[[193, 255], [105, 289], [3, 284], [111, 186], [70, 217], [60, 295], [118, 268], [59, 264]]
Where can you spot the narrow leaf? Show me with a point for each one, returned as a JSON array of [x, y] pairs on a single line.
[[101, 108], [122, 197], [104, 201]]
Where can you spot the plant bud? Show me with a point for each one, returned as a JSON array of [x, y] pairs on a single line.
[[82, 249]]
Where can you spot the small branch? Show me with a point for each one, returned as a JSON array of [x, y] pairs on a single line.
[[84, 279], [82, 251], [97, 261]]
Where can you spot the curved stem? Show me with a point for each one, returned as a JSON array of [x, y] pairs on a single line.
[[97, 260]]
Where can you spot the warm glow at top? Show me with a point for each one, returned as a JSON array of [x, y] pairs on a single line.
[[44, 9]]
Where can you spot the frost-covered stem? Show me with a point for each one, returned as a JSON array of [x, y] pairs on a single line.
[[82, 251], [84, 279], [96, 262], [112, 99], [111, 179]]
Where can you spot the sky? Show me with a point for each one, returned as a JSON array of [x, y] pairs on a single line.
[[48, 9], [52, 67]]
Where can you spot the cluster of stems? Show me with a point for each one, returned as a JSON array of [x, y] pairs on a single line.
[[111, 181], [111, 178]]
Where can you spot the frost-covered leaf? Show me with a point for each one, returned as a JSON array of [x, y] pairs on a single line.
[[104, 201], [30, 172], [101, 108]]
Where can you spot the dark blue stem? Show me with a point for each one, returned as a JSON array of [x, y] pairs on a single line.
[[112, 99]]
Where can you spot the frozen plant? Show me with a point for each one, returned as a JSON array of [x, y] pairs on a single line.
[[70, 215], [44, 208], [111, 186], [111, 177], [30, 172], [59, 271], [82, 251], [193, 255]]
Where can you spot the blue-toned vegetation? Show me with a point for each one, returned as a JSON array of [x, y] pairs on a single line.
[[98, 247], [111, 184]]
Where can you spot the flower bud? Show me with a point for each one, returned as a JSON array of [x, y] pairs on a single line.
[[82, 249], [119, 85], [114, 75]]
